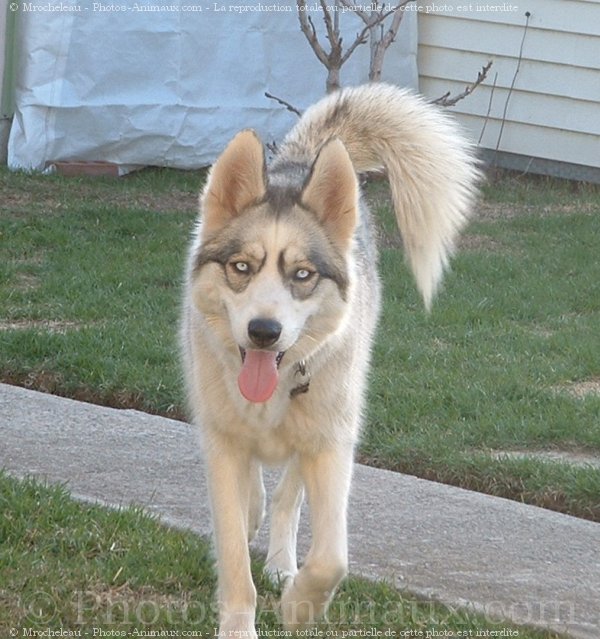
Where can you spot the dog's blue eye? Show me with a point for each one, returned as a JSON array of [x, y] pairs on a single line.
[[302, 274], [241, 267]]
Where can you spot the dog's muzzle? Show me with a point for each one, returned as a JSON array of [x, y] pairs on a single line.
[[264, 332], [259, 376]]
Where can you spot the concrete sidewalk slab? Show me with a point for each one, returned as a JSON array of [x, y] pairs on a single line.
[[505, 559]]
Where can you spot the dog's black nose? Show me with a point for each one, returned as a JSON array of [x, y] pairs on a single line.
[[264, 332]]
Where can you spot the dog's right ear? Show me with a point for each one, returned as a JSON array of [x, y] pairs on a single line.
[[236, 180]]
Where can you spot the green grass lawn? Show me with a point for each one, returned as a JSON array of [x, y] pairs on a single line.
[[514, 331], [79, 568], [90, 275]]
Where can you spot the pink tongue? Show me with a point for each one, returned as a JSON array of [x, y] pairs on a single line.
[[259, 376]]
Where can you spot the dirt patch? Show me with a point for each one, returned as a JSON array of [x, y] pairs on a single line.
[[59, 327], [552, 456], [494, 211], [53, 200], [540, 331], [499, 211], [466, 242], [582, 389], [26, 282], [478, 243], [181, 202], [103, 597], [440, 345]]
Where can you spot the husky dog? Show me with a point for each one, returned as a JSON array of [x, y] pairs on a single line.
[[281, 304]]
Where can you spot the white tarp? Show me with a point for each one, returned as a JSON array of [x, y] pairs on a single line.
[[168, 82]]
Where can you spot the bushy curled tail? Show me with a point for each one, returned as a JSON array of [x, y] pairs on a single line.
[[431, 168]]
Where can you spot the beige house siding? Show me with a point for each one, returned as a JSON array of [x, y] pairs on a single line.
[[552, 119]]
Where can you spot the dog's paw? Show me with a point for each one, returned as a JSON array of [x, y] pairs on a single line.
[[296, 614], [305, 598]]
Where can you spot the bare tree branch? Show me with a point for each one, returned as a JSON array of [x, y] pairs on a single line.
[[332, 36], [370, 23], [390, 36], [361, 38], [349, 4], [372, 20], [287, 105], [332, 61], [378, 48], [447, 101], [335, 42], [380, 39], [309, 31]]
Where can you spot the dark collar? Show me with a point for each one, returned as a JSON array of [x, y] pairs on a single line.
[[304, 379]]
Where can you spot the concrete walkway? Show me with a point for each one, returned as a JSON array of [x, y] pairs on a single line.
[[505, 559]]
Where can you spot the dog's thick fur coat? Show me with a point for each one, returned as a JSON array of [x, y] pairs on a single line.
[[281, 304]]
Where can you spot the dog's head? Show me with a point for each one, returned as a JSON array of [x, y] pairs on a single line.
[[272, 269]]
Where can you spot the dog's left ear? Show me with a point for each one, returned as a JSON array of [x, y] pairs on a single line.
[[237, 179], [331, 191]]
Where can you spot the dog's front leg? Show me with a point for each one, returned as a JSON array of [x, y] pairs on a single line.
[[282, 563], [326, 478], [229, 470]]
